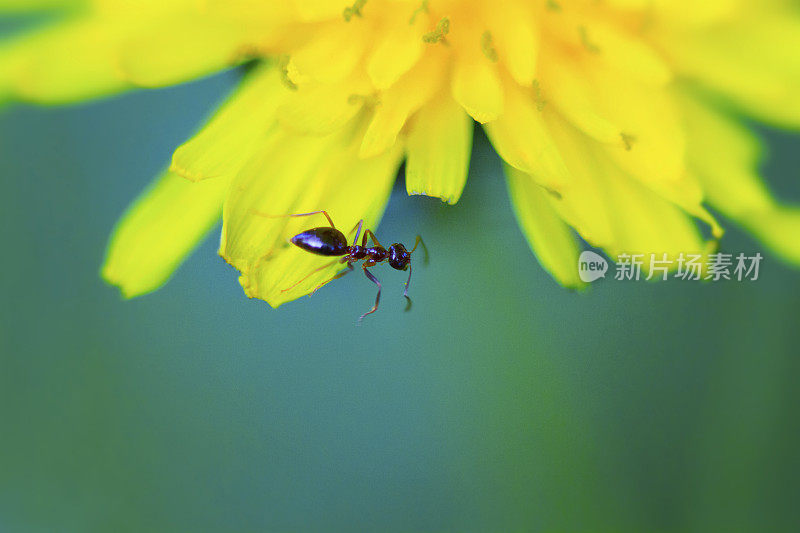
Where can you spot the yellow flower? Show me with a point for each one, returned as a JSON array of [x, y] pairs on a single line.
[[615, 118]]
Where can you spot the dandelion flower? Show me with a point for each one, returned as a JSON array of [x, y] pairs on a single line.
[[617, 120]]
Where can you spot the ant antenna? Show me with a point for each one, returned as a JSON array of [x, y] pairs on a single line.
[[424, 248]]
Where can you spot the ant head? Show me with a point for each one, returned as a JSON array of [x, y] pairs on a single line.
[[399, 258]]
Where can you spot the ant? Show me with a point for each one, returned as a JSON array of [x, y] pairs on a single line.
[[329, 241]]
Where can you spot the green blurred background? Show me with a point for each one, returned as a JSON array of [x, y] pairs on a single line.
[[501, 402]]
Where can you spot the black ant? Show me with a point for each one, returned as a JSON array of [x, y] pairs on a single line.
[[329, 241]]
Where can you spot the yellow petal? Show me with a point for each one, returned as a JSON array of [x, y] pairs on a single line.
[[159, 230], [629, 53], [778, 229], [222, 146], [314, 10], [516, 37], [725, 157], [328, 176], [136, 8], [652, 141], [652, 144], [319, 109], [34, 5], [755, 62], [438, 150], [180, 48], [105, 53], [397, 103], [282, 171], [65, 62], [630, 5], [693, 14], [613, 210], [363, 195], [548, 235], [330, 56], [477, 87], [565, 85], [398, 50], [521, 138]]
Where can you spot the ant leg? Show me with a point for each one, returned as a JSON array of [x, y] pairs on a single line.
[[265, 215], [405, 292], [358, 225], [424, 248], [374, 280], [337, 276], [368, 233], [323, 267]]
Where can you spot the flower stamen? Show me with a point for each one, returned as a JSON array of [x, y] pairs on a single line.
[[354, 10], [487, 47], [366, 100], [438, 34], [587, 43], [283, 66], [552, 5], [537, 95], [423, 8], [628, 140]]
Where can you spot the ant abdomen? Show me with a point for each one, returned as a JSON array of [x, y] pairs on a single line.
[[322, 241]]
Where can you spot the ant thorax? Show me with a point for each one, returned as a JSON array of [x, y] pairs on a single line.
[[356, 252], [377, 253]]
